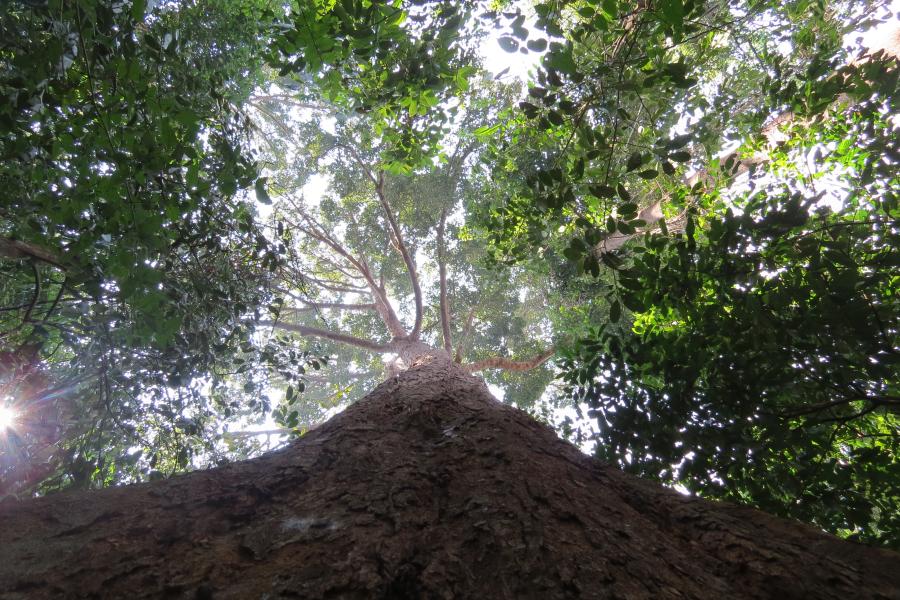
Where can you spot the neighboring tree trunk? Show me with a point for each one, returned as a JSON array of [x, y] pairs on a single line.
[[426, 488]]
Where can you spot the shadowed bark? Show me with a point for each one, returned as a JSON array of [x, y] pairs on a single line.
[[426, 488]]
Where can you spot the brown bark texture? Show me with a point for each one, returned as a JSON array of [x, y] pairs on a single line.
[[426, 488]]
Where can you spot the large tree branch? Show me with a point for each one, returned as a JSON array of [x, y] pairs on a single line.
[[384, 308], [16, 249], [442, 270], [281, 98], [464, 336], [360, 162], [507, 364], [311, 306], [874, 401], [328, 335], [332, 286], [407, 258]]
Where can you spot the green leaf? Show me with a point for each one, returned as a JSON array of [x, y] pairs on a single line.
[[634, 161], [262, 196], [609, 7], [138, 8], [624, 228], [648, 174], [603, 191], [507, 43], [561, 60], [615, 312], [485, 132], [537, 45], [673, 13], [679, 141]]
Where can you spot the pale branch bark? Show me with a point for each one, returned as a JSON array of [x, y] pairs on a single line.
[[317, 277], [383, 306], [254, 100], [311, 306], [464, 336], [332, 263], [360, 162], [328, 335], [315, 230], [888, 42], [507, 364], [650, 215], [404, 252], [16, 250], [335, 287], [442, 270]]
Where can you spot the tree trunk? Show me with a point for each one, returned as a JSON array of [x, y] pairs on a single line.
[[426, 488]]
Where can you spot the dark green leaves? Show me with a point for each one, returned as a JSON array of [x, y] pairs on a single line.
[[635, 160], [262, 195], [507, 43], [603, 191], [672, 13], [615, 312], [538, 45]]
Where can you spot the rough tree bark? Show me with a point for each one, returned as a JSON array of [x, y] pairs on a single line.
[[426, 488]]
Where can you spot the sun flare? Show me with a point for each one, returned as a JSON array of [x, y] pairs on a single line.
[[7, 417]]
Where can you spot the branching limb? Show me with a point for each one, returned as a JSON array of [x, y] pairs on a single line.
[[37, 292], [388, 316], [442, 269], [404, 252], [281, 98], [311, 306], [501, 362], [465, 335], [361, 163], [16, 249], [874, 401], [328, 335]]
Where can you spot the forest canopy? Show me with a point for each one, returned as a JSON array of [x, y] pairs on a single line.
[[676, 239]]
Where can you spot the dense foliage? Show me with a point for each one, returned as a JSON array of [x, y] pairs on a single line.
[[130, 259], [694, 202], [750, 347]]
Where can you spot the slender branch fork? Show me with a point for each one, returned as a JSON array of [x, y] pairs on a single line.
[[442, 270], [328, 335], [315, 230], [407, 258], [308, 225]]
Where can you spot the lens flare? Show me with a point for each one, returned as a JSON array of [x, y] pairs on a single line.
[[7, 417]]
